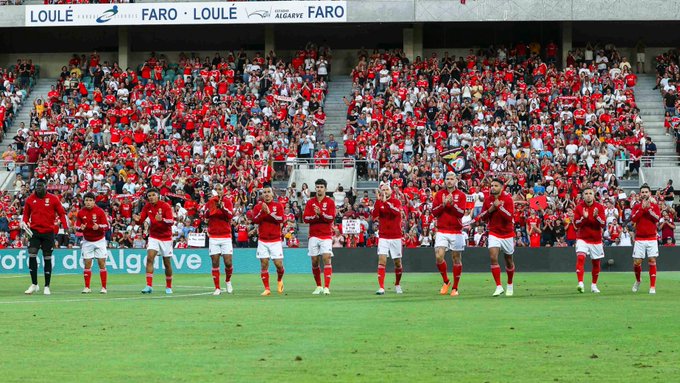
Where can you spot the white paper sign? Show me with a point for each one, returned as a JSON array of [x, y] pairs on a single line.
[[351, 226], [196, 239]]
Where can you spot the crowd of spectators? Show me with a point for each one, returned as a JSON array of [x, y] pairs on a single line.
[[667, 82], [548, 132], [236, 118], [17, 81], [179, 126]]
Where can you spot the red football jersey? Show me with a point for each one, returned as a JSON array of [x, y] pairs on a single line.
[[219, 218], [645, 220], [90, 217], [501, 222], [320, 226], [269, 224], [40, 213], [449, 217], [159, 229], [389, 215], [589, 230]]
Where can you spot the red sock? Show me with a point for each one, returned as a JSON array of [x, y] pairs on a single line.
[[443, 270], [457, 271], [381, 276], [228, 271], [496, 272], [168, 282], [317, 275], [264, 274], [638, 271], [580, 266], [327, 273], [103, 275], [652, 275], [510, 273], [149, 279], [279, 273], [216, 277], [398, 271], [596, 270], [87, 274]]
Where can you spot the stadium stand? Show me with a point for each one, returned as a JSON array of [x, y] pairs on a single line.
[[243, 119]]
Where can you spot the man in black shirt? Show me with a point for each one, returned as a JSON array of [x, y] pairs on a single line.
[[668, 194], [650, 151], [669, 101], [431, 113]]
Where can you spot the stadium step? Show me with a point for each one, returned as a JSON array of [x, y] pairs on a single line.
[[303, 234], [650, 103], [42, 86], [336, 110]]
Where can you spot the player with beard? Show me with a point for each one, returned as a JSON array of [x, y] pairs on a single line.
[[387, 210], [220, 212], [589, 220], [646, 215], [449, 208], [268, 215], [498, 210], [319, 214], [40, 211]]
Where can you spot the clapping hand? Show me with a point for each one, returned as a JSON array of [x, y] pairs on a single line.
[[82, 227], [497, 203], [448, 199], [585, 213], [95, 227], [645, 204], [159, 216], [595, 212], [265, 208], [317, 210], [136, 217]]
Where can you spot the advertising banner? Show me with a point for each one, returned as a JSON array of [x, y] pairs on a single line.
[[192, 13], [133, 261]]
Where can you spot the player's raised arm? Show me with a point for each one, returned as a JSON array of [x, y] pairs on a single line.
[[309, 215]]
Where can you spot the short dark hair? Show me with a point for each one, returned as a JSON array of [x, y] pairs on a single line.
[[41, 181], [321, 181], [89, 195], [152, 190], [645, 186], [497, 180], [266, 185]]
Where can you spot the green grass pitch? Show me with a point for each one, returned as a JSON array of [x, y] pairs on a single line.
[[547, 332]]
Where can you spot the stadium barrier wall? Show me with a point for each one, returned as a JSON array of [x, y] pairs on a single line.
[[359, 260]]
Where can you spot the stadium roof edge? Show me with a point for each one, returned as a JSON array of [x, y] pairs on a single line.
[[381, 11]]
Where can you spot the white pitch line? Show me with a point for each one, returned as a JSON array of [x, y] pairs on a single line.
[[48, 300]]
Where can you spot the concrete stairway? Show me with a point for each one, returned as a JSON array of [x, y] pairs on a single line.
[[336, 110], [39, 90], [652, 112], [303, 234]]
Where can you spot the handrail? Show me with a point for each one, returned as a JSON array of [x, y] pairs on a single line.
[[365, 168]]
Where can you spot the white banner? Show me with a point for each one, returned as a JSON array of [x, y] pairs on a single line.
[[249, 12], [351, 226], [196, 239]]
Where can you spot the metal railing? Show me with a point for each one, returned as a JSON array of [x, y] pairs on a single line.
[[365, 169], [8, 168]]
